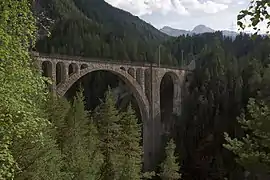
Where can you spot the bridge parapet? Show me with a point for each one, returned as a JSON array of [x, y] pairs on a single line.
[[189, 67]]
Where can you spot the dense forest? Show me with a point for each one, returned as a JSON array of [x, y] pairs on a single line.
[[228, 73], [96, 29], [222, 133]]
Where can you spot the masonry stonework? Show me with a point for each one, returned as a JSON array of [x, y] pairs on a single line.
[[143, 80]]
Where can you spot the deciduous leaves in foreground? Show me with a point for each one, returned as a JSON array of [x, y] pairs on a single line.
[[22, 88], [257, 12]]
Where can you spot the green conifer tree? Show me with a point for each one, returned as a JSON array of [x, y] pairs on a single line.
[[107, 118], [57, 111], [80, 144], [253, 150], [130, 145], [170, 168]]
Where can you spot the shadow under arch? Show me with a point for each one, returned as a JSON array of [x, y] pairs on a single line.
[[176, 83], [170, 98], [124, 76]]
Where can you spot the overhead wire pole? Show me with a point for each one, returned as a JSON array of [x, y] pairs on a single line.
[[152, 109], [182, 60], [232, 29], [159, 55]]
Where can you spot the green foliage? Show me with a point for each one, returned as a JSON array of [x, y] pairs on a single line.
[[21, 95], [38, 160], [80, 143], [96, 29], [252, 151], [228, 72], [257, 12], [170, 168], [130, 146], [149, 175], [107, 117]]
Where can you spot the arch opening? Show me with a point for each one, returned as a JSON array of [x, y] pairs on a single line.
[[96, 83], [167, 102], [60, 72], [47, 69], [84, 66], [147, 84], [72, 68], [168, 95], [131, 71], [122, 68], [139, 76]]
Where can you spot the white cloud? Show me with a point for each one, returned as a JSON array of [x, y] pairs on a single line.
[[181, 7], [241, 2], [185, 14], [206, 7], [141, 7]]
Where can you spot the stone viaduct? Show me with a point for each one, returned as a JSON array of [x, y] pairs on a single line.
[[142, 79]]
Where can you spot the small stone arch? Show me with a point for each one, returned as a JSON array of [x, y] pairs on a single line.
[[46, 67], [122, 68], [139, 76], [60, 72], [84, 66], [147, 84], [73, 68], [128, 79], [131, 71]]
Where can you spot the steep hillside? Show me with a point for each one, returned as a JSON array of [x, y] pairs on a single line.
[[96, 29]]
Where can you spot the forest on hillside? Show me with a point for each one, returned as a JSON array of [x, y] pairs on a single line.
[[96, 29], [222, 133]]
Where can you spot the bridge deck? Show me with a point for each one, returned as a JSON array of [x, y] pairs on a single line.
[[103, 60]]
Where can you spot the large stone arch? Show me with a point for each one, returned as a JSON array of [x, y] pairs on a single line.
[[135, 87], [177, 84]]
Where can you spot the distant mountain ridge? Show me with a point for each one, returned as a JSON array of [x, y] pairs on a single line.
[[200, 29]]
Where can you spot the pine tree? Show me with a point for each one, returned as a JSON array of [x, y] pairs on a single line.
[[130, 145], [253, 150], [57, 112], [80, 146], [107, 118], [170, 168]]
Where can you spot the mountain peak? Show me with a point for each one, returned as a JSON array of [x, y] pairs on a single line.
[[201, 29], [173, 32]]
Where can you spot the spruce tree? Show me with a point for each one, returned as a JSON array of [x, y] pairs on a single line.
[[170, 168], [130, 145], [57, 111], [252, 151], [107, 119], [80, 144]]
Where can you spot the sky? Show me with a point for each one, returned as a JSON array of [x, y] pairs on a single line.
[[186, 14]]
